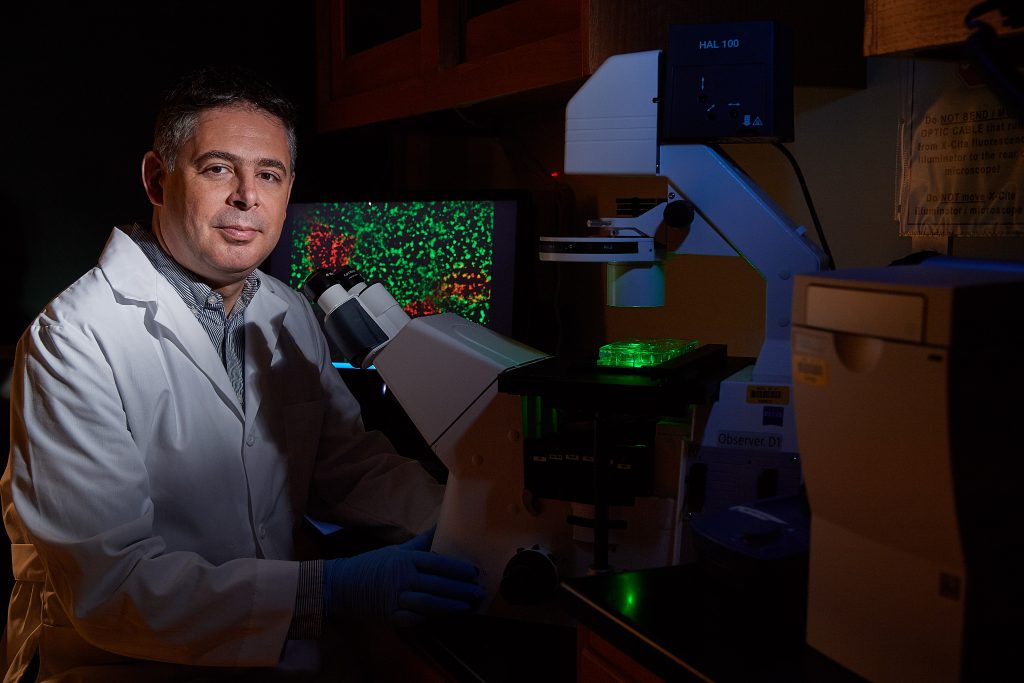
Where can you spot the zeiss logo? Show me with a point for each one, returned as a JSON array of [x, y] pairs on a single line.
[[773, 415]]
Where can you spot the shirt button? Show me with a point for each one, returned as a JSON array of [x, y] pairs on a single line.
[[251, 439], [211, 300], [263, 532]]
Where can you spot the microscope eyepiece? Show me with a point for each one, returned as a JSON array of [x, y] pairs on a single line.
[[316, 283], [348, 277], [322, 279]]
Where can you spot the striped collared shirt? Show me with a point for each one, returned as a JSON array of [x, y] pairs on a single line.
[[227, 332]]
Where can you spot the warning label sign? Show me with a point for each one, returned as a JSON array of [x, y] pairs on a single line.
[[963, 155]]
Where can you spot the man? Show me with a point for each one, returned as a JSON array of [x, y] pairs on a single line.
[[175, 415]]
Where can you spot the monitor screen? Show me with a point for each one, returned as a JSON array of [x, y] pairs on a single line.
[[432, 255]]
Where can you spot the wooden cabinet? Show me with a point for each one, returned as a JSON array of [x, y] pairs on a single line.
[[460, 52], [598, 661], [905, 26]]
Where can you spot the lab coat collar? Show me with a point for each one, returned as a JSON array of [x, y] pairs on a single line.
[[133, 278], [127, 269]]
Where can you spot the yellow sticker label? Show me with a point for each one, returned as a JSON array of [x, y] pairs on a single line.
[[810, 370], [774, 395]]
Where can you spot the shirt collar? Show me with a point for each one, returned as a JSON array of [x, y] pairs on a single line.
[[189, 287]]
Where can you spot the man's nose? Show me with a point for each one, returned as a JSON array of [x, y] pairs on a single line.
[[244, 196]]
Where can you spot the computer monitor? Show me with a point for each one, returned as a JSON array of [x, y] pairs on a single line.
[[433, 255]]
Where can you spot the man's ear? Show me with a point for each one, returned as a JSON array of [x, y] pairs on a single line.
[[153, 174]]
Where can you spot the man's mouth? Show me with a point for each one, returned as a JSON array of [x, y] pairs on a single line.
[[239, 233]]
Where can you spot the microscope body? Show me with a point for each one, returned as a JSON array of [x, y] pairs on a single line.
[[746, 447]]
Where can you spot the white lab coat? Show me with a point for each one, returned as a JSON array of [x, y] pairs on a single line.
[[150, 518]]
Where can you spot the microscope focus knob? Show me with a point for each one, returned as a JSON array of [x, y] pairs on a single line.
[[679, 214], [530, 577]]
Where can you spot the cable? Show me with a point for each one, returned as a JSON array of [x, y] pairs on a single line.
[[810, 203], [1012, 11], [1004, 79]]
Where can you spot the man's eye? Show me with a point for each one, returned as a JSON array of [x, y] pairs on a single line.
[[269, 177], [217, 170]]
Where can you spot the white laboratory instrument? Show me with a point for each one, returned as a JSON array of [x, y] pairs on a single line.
[[749, 444], [444, 372], [907, 385]]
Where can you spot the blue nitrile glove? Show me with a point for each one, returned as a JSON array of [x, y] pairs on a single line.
[[400, 584]]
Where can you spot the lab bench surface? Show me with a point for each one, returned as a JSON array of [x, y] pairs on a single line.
[[648, 626], [476, 649], [679, 624], [499, 650]]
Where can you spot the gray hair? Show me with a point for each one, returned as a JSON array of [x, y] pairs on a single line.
[[216, 88]]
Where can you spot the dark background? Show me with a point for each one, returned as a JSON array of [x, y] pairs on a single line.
[[82, 82]]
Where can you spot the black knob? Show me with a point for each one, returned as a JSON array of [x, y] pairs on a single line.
[[679, 214], [530, 577]]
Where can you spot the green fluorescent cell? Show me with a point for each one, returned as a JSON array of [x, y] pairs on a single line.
[[642, 353]]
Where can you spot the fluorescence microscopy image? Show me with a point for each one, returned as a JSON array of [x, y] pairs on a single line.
[[432, 256]]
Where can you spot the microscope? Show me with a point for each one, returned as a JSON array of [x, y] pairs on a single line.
[[655, 114], [478, 398]]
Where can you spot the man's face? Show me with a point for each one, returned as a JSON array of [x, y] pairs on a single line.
[[219, 213]]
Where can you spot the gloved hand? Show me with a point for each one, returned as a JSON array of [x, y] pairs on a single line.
[[400, 584]]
